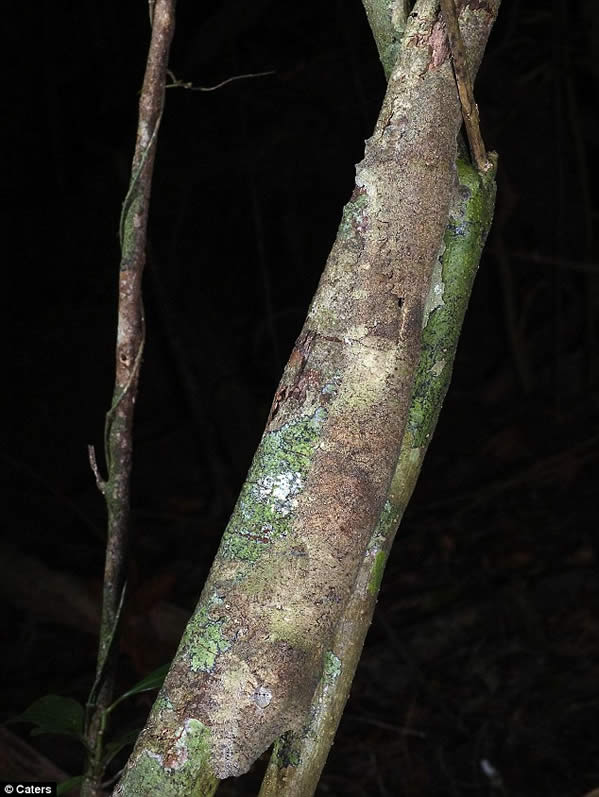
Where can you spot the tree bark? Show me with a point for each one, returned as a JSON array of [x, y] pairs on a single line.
[[253, 653]]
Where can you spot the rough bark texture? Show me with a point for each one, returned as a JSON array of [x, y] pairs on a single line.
[[253, 653]]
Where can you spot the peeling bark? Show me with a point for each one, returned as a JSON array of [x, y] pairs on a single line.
[[253, 652]]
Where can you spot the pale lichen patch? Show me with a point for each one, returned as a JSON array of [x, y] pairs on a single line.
[[281, 488], [437, 368], [332, 667], [435, 294], [270, 493]]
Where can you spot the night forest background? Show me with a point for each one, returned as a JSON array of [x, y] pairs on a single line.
[[480, 673]]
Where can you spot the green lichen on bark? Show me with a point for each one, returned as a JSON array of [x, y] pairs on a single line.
[[376, 574], [182, 772], [286, 751], [468, 226], [269, 496], [332, 667], [204, 640]]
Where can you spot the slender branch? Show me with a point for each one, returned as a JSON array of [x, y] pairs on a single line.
[[93, 463], [129, 349], [464, 83]]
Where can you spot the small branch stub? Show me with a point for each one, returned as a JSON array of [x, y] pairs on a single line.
[[100, 482], [464, 84]]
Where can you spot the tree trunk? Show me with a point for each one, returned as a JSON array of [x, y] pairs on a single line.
[[253, 652]]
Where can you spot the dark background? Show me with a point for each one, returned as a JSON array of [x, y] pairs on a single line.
[[485, 646]]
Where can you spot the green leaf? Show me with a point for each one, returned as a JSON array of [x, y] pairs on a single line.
[[54, 714], [112, 748], [152, 681], [68, 785]]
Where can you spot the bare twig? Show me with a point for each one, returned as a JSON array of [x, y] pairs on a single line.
[[180, 84], [100, 482], [464, 83], [129, 348]]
